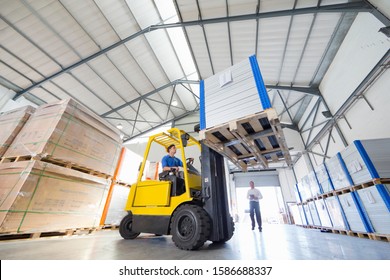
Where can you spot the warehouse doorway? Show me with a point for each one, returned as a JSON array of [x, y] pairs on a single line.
[[271, 206]]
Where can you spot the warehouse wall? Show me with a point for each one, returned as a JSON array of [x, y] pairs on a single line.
[[6, 102], [361, 50], [287, 179]]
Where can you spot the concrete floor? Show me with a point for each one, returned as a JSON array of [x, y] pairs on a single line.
[[276, 242]]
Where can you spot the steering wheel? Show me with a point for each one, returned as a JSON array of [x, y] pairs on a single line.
[[190, 161]]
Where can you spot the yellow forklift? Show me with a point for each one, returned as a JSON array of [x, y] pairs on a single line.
[[189, 205]]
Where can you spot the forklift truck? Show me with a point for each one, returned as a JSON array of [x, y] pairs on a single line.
[[190, 206]]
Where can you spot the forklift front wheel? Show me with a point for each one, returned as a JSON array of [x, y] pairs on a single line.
[[125, 228], [190, 227]]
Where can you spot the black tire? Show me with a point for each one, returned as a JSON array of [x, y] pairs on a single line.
[[125, 228], [190, 227], [227, 238]]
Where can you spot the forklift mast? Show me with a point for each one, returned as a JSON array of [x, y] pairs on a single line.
[[214, 193]]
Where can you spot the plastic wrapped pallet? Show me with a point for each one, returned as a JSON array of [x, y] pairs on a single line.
[[336, 213], [314, 213], [296, 215], [376, 207], [352, 212], [304, 188], [313, 184], [367, 160], [37, 196], [323, 178], [308, 215], [338, 173], [117, 205], [66, 132], [234, 93], [297, 194], [323, 213], [302, 214], [11, 123]]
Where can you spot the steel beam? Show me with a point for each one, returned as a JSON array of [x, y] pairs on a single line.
[[359, 6], [149, 94]]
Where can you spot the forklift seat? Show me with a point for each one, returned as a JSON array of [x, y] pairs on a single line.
[[177, 187]]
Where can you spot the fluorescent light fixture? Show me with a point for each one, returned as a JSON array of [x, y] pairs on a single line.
[[119, 126], [174, 103]]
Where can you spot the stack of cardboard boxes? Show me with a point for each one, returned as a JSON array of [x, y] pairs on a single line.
[[56, 170]]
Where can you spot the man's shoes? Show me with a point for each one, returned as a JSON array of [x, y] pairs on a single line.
[[253, 228], [260, 229]]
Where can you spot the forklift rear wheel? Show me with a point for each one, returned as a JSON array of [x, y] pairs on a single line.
[[190, 227], [125, 228]]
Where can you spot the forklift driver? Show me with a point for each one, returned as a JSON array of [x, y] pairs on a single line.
[[169, 161]]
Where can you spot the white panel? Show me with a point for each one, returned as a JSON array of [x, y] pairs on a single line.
[[337, 174], [117, 205], [323, 213], [271, 5], [376, 208], [314, 213], [351, 213], [334, 209], [378, 153], [362, 48], [235, 99], [293, 139], [188, 10], [323, 178]]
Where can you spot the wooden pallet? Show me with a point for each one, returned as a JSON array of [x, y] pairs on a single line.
[[16, 159], [253, 141], [36, 235], [110, 227], [75, 166], [380, 237]]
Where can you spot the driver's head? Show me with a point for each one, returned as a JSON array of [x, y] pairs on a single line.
[[171, 149]]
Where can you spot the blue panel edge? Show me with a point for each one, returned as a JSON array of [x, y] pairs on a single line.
[[366, 159], [262, 91], [202, 108], [362, 212], [330, 180], [384, 194], [345, 169]]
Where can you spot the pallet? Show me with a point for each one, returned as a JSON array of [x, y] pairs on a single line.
[[380, 237], [252, 141], [373, 182], [110, 227], [36, 235], [16, 159], [75, 166]]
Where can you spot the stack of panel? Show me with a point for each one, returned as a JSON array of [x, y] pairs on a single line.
[[336, 214], [367, 160], [118, 201], [11, 123], [323, 213], [57, 171], [314, 213], [324, 181]]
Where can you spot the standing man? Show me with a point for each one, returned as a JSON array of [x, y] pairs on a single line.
[[254, 195]]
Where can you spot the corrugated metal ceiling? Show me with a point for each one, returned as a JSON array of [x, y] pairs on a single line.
[[128, 61]]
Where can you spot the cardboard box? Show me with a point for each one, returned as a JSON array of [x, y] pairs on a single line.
[[37, 196], [11, 123], [67, 132]]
